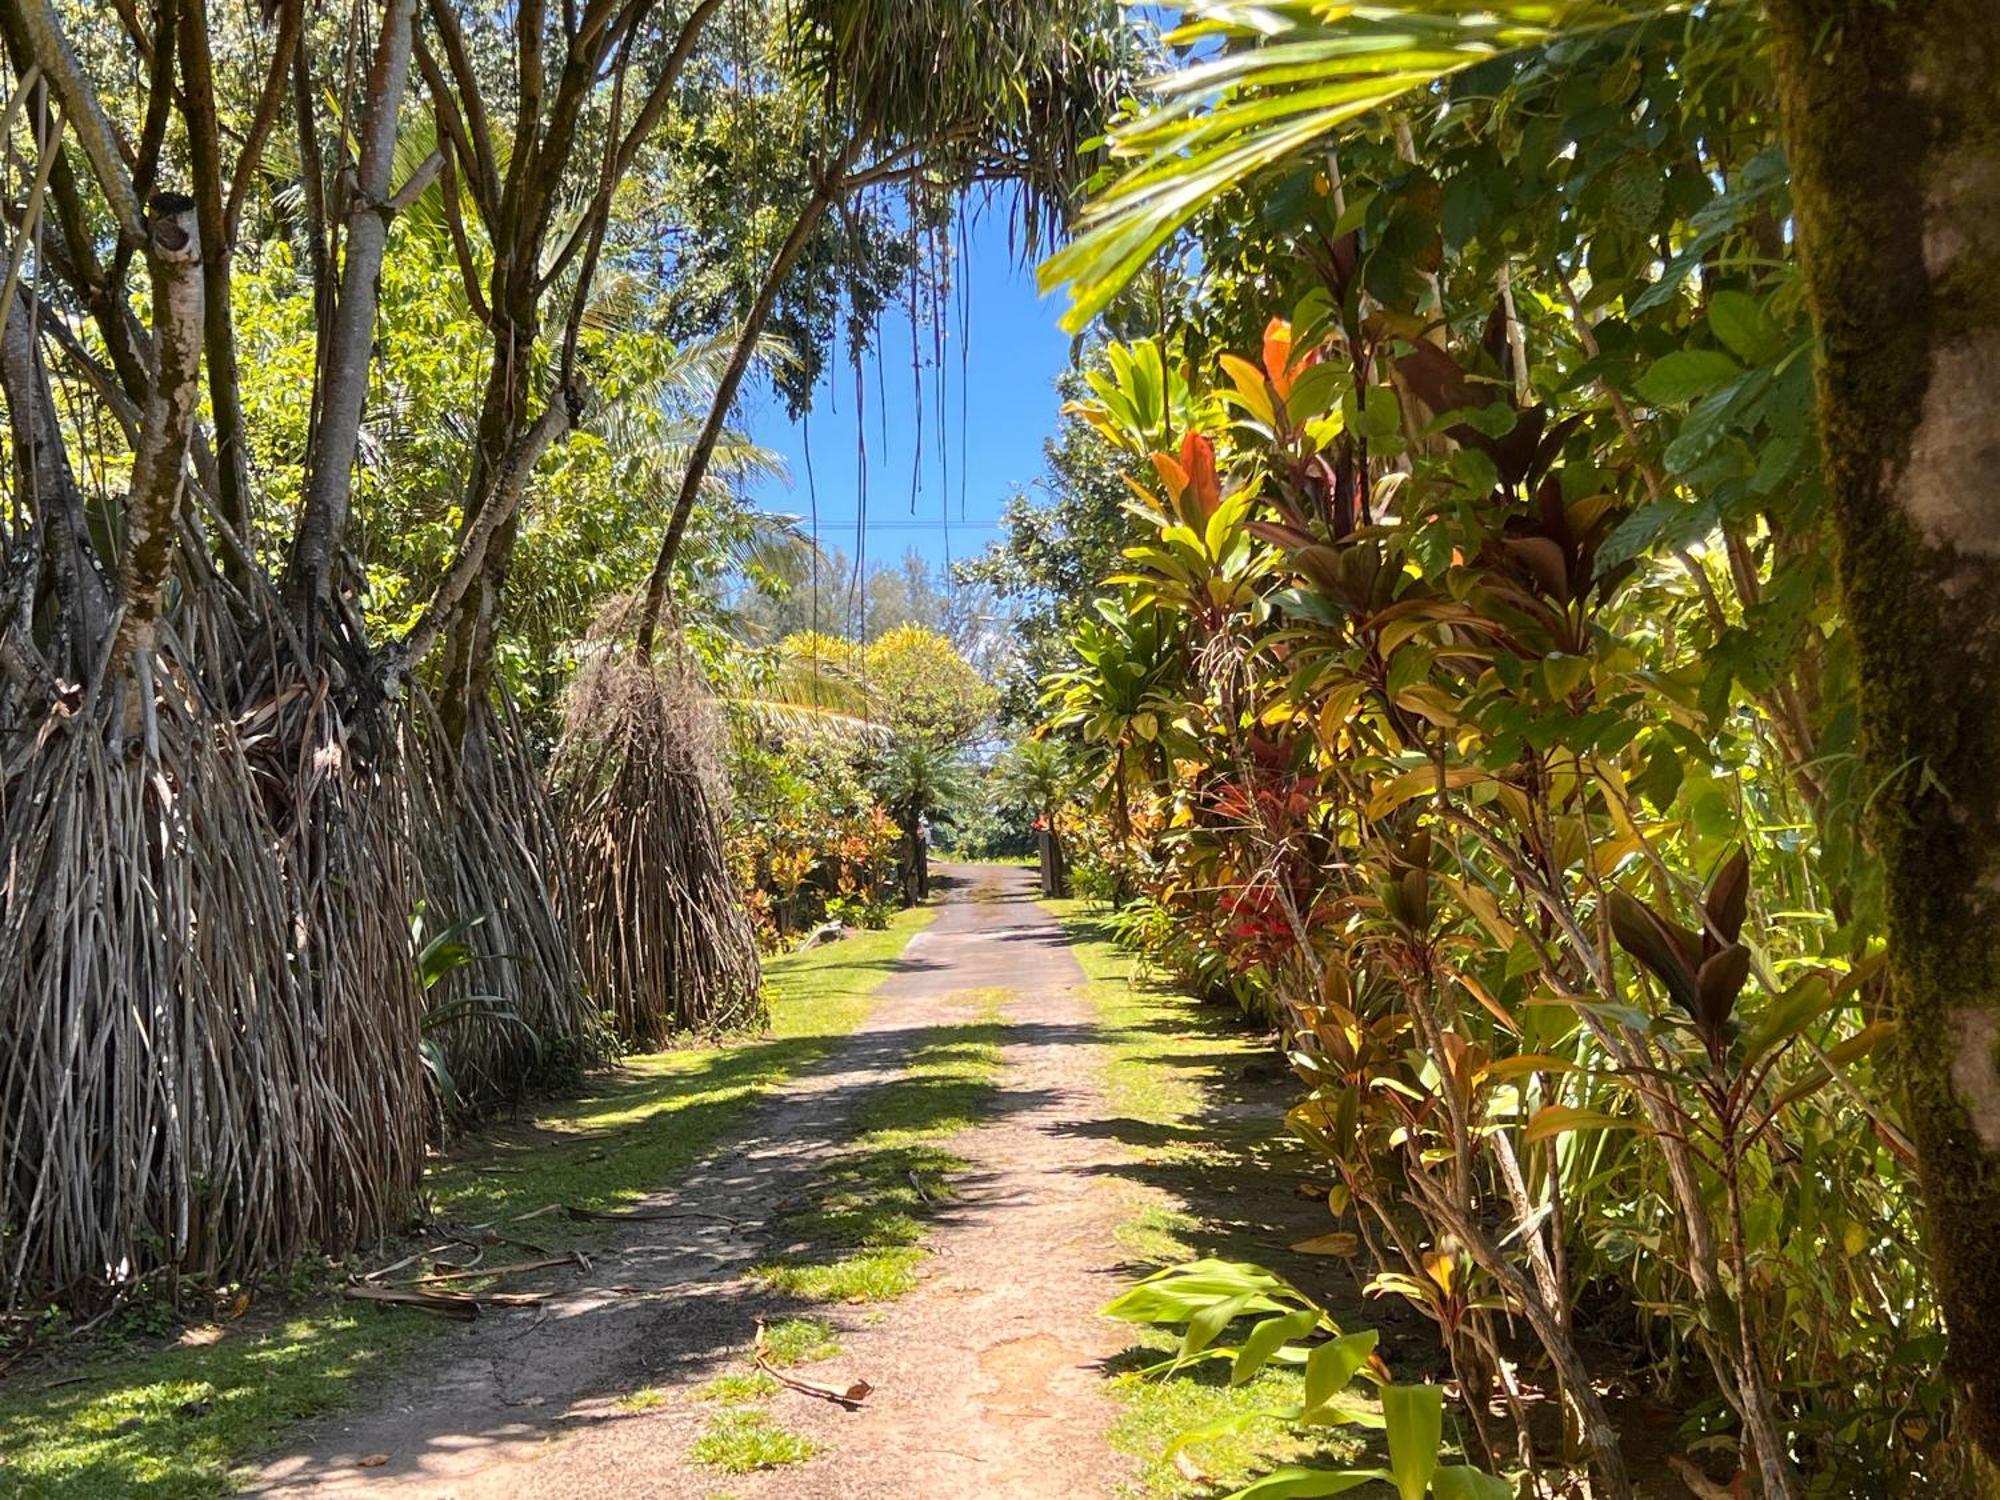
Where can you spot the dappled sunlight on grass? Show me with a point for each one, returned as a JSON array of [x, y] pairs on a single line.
[[861, 1238], [658, 1113], [169, 1423], [1170, 1070]]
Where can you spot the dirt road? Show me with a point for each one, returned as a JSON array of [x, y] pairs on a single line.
[[984, 1376]]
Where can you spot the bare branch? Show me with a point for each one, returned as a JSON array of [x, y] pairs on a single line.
[[87, 118], [291, 17]]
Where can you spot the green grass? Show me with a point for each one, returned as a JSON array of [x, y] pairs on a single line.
[[742, 1441], [170, 1423], [799, 1341], [862, 1237], [662, 1112], [642, 1400], [739, 1388], [1169, 1063]]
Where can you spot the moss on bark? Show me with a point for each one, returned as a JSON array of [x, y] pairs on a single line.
[[1892, 117]]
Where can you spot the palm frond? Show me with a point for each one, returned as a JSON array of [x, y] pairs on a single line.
[[1272, 80]]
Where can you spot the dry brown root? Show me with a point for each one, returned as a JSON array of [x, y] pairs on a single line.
[[211, 1014]]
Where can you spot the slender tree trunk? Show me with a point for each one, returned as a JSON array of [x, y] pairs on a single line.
[[350, 340], [1051, 851], [35, 21], [225, 397], [468, 656], [1892, 118], [509, 484], [43, 475], [464, 676], [825, 193], [173, 250]]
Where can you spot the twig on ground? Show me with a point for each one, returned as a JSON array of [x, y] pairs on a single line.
[[850, 1396], [575, 1258]]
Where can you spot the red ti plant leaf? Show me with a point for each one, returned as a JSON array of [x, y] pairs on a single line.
[[1727, 901], [1543, 560], [1416, 903], [1291, 538], [1717, 985], [1670, 952]]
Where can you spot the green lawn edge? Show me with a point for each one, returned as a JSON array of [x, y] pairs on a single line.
[[1168, 1064]]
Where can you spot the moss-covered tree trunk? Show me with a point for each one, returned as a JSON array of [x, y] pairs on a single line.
[[1892, 116]]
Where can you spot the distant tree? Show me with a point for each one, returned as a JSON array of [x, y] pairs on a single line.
[[776, 603], [919, 783], [1037, 775], [927, 693]]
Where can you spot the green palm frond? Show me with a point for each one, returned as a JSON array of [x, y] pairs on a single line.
[[1274, 80], [806, 719]]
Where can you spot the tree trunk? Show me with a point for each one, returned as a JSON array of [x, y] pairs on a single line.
[[351, 339], [44, 476], [1892, 115], [225, 397], [1054, 884], [510, 483], [469, 657], [173, 249], [908, 882]]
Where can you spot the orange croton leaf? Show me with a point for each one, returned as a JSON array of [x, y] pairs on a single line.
[[1172, 474], [1198, 463], [1278, 356], [1281, 364]]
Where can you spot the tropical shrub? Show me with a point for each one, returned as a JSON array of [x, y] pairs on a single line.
[[1479, 702]]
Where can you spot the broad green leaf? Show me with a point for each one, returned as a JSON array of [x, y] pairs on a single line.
[[1206, 1326], [1786, 1016], [1267, 1338], [1686, 375], [1414, 1415], [1738, 320], [1459, 1482], [1331, 1367], [1295, 1483]]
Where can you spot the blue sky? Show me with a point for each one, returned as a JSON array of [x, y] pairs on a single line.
[[1010, 362]]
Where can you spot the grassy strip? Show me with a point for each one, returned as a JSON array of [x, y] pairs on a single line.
[[1170, 1062], [861, 1240], [168, 1423]]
